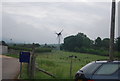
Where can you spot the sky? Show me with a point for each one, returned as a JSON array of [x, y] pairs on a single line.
[[28, 22]]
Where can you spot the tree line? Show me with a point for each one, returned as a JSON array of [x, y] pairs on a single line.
[[82, 43]]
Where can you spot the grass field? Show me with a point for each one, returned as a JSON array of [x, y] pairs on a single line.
[[58, 63]]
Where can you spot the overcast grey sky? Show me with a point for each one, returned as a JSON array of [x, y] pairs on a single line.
[[38, 21]]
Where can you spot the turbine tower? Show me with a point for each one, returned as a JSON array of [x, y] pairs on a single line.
[[59, 34]]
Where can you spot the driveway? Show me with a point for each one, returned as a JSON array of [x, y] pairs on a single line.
[[10, 67]]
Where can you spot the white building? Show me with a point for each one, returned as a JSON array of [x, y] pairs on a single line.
[[3, 49]]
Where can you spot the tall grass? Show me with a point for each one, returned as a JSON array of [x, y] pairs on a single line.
[[58, 63]]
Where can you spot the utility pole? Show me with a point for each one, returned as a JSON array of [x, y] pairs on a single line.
[[112, 31]]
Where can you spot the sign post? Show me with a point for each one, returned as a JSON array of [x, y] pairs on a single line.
[[23, 57], [20, 69]]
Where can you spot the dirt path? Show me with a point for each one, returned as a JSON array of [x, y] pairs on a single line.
[[10, 67]]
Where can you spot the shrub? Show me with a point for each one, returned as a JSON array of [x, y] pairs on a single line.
[[20, 48], [117, 55], [93, 51], [40, 50]]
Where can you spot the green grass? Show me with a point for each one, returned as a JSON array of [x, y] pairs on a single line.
[[58, 63], [12, 55]]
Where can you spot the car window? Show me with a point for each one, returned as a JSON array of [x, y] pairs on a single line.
[[106, 69], [90, 68]]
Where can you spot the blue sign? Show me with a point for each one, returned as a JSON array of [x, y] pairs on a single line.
[[24, 57]]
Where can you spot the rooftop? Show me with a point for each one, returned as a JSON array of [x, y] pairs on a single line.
[[105, 61]]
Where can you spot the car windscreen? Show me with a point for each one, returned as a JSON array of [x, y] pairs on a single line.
[[90, 68], [107, 69]]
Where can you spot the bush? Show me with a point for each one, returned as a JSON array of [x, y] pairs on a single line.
[[38, 50], [92, 51], [20, 48], [117, 55], [98, 52]]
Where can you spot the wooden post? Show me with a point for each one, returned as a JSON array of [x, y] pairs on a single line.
[[32, 73], [29, 67], [71, 69], [71, 64], [112, 31], [20, 69]]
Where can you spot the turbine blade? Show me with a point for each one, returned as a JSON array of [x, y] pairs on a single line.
[[56, 33], [61, 31]]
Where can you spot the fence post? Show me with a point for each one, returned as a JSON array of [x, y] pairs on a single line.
[[71, 57], [71, 69], [32, 64]]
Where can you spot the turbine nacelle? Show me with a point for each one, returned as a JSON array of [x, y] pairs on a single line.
[[60, 33]]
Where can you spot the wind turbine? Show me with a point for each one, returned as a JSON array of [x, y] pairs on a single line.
[[11, 41], [59, 34]]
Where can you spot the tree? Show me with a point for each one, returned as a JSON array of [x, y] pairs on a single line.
[[98, 42], [4, 43], [72, 43], [37, 45], [105, 43], [69, 43], [117, 45]]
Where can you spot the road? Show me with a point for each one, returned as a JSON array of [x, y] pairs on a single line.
[[10, 67]]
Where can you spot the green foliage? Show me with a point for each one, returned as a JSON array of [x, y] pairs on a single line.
[[117, 54], [40, 50], [98, 42], [26, 45], [81, 43], [105, 43], [13, 55], [20, 48], [92, 51], [4, 43], [118, 44], [71, 43]]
